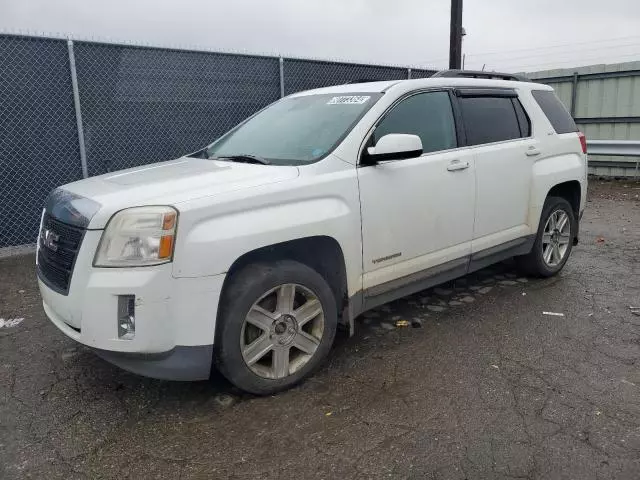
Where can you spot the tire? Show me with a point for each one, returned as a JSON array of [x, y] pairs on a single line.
[[261, 321], [535, 263]]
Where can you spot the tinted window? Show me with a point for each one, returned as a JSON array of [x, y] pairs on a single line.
[[428, 115], [554, 110], [489, 119], [523, 119]]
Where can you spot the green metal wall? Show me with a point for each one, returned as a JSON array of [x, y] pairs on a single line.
[[606, 106]]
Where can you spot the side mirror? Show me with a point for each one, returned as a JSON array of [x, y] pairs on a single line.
[[394, 146]]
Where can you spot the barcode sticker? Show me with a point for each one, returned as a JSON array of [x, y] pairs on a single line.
[[349, 100]]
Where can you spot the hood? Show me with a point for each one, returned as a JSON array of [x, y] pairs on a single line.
[[172, 182]]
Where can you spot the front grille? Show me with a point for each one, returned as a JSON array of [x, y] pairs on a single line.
[[58, 246]]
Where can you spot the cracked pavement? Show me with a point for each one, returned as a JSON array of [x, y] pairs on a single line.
[[487, 388]]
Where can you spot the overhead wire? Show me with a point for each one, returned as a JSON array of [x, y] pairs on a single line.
[[505, 53], [573, 61], [567, 52], [562, 45]]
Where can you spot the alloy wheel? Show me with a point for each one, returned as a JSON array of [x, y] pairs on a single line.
[[282, 331], [555, 238]]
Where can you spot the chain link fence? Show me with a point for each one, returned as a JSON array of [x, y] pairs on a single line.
[[133, 105], [38, 135], [142, 105], [308, 74]]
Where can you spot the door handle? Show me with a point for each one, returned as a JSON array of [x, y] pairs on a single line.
[[457, 165], [532, 152]]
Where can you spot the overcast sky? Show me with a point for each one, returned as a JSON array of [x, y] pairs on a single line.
[[513, 35]]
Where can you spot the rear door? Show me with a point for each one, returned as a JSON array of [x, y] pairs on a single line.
[[499, 132]]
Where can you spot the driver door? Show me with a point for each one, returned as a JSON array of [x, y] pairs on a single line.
[[417, 213]]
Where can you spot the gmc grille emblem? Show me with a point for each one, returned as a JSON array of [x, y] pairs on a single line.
[[50, 239]]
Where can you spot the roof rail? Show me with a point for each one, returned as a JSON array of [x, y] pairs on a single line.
[[479, 74], [364, 80]]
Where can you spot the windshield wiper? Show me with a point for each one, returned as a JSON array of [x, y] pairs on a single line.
[[246, 158]]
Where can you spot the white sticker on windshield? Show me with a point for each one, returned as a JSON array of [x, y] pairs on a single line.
[[349, 100]]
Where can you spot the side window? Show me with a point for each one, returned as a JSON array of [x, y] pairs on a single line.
[[553, 108], [428, 115], [489, 119], [523, 118]]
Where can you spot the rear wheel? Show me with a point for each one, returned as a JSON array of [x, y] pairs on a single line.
[[277, 325], [554, 239]]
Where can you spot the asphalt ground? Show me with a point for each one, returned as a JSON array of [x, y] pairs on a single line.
[[484, 385]]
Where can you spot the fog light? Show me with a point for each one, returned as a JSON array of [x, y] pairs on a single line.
[[126, 317]]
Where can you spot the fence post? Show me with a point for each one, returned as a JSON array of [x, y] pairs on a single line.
[[76, 103], [281, 61], [574, 93], [408, 74]]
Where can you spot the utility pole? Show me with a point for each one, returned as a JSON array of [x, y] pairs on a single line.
[[455, 36]]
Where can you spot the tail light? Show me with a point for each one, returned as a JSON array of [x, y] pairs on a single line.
[[583, 142]]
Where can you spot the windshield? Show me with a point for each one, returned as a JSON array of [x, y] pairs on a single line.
[[296, 130]]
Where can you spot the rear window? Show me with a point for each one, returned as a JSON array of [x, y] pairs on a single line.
[[490, 119], [554, 110]]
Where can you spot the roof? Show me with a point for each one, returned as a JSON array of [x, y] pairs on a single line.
[[367, 87], [408, 85]]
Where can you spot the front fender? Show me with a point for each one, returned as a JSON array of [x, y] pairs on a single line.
[[211, 237]]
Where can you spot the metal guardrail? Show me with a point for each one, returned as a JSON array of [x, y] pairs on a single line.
[[615, 148]]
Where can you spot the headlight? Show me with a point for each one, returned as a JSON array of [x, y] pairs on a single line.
[[138, 237]]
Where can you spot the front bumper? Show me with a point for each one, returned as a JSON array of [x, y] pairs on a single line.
[[174, 317], [181, 363]]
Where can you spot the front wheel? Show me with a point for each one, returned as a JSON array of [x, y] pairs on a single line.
[[277, 324], [554, 239]]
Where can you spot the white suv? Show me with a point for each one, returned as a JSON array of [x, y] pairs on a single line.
[[247, 255]]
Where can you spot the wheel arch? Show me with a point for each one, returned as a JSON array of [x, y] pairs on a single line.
[[571, 191], [321, 253], [558, 176]]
